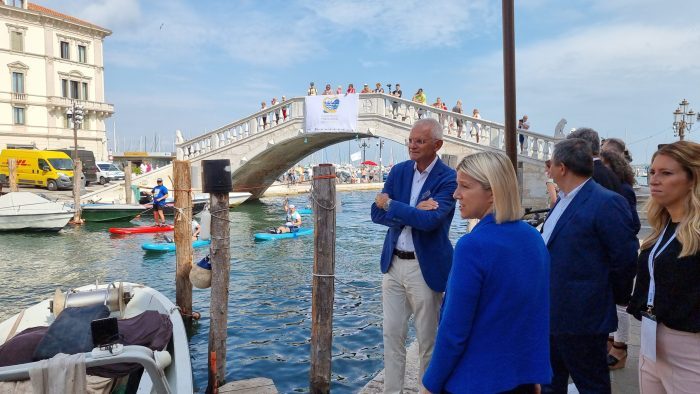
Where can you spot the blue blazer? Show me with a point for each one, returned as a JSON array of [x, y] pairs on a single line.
[[494, 325], [593, 248], [430, 229]]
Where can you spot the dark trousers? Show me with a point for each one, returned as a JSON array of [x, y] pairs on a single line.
[[584, 357]]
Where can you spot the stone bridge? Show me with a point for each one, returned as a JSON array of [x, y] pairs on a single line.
[[260, 154]]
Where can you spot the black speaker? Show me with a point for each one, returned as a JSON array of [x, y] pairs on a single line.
[[216, 176]]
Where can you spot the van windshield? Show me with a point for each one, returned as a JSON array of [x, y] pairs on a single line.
[[62, 164]]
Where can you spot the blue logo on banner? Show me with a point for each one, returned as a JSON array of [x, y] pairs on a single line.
[[331, 104]]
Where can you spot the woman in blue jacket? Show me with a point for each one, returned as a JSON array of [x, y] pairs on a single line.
[[493, 335]]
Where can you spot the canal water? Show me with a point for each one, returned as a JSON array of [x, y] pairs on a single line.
[[269, 325]]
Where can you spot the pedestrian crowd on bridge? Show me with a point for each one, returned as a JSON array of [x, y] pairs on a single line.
[[515, 309]]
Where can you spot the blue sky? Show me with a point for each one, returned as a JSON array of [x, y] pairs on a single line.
[[619, 66]]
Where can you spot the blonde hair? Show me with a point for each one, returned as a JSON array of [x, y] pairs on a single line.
[[495, 172], [687, 154]]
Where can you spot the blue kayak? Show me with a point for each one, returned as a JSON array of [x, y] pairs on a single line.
[[170, 246], [305, 211], [269, 236]]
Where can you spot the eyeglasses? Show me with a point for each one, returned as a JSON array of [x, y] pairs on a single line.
[[419, 141]]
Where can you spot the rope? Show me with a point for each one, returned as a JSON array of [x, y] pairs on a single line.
[[331, 176], [323, 275]]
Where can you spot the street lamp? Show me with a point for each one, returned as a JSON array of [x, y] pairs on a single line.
[[75, 114], [683, 119]]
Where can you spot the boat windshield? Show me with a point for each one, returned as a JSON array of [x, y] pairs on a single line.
[[62, 164]]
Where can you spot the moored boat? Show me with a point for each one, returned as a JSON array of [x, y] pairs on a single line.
[[22, 211], [234, 198], [98, 212], [167, 369]]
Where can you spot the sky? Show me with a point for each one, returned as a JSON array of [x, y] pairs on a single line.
[[618, 66]]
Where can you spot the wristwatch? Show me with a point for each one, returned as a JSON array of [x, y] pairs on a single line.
[[387, 204]]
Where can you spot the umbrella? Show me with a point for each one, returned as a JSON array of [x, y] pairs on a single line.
[[368, 163]]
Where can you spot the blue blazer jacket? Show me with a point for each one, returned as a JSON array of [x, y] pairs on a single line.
[[593, 250], [494, 325], [430, 229]]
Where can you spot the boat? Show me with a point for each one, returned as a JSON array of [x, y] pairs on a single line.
[[22, 211], [170, 246], [167, 369], [169, 208], [270, 236], [105, 212], [234, 198], [141, 229]]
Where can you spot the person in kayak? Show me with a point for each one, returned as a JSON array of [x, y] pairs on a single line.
[[293, 220]]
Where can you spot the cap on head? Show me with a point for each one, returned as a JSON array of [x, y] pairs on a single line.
[[159, 180], [292, 206]]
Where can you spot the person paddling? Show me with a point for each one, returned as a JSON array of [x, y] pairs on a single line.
[[160, 194], [293, 219]]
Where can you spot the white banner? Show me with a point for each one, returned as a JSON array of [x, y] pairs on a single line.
[[332, 113], [356, 156]]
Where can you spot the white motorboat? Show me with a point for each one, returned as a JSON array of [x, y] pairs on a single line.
[[234, 198], [165, 371], [29, 211]]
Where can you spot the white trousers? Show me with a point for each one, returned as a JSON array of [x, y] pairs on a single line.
[[622, 334], [677, 366], [405, 293]]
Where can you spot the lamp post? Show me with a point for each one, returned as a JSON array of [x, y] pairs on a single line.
[[364, 145], [683, 119], [380, 144], [75, 114]]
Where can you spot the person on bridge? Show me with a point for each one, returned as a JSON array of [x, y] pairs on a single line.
[[328, 91], [366, 89], [160, 194], [312, 90], [420, 98], [351, 89], [293, 219], [416, 205]]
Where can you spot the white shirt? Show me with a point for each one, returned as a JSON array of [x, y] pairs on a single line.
[[555, 214], [405, 241]]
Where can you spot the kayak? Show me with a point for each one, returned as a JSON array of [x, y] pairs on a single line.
[[305, 211], [270, 236], [170, 246], [140, 229]]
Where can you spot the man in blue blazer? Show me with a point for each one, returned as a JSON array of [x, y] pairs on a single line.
[[417, 206], [593, 249]]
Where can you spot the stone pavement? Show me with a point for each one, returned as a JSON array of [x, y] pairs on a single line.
[[624, 381]]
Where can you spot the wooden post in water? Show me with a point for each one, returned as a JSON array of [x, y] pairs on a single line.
[[127, 182], [509, 98], [217, 181], [323, 282], [183, 238], [77, 185], [12, 164]]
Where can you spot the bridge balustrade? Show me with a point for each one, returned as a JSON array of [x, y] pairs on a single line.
[[401, 112]]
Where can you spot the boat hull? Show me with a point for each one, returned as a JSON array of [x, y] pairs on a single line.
[[35, 222], [110, 212]]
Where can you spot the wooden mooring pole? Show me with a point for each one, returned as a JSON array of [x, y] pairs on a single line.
[[323, 282], [217, 181], [127, 182], [12, 165], [182, 186], [77, 186]]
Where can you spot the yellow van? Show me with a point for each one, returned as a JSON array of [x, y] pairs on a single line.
[[49, 169]]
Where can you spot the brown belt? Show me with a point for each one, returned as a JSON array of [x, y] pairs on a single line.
[[405, 255]]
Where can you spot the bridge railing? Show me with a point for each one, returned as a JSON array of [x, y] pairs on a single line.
[[396, 110]]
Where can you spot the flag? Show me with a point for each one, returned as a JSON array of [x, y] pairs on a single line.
[[356, 156]]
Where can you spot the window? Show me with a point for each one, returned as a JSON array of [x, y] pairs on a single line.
[[82, 54], [17, 41], [17, 82], [84, 93], [18, 115], [15, 3], [65, 50], [64, 88], [74, 94]]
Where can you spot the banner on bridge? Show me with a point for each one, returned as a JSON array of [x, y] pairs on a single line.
[[334, 113]]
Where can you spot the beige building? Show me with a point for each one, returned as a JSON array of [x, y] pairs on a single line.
[[47, 61]]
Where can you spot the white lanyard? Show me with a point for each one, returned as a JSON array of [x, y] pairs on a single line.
[[650, 261]]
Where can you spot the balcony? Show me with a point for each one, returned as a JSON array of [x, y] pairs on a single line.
[[91, 106], [19, 97]]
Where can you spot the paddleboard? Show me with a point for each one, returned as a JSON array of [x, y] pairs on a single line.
[[170, 246], [140, 229], [305, 211], [270, 236]]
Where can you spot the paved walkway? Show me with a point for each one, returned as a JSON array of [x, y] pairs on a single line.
[[624, 381]]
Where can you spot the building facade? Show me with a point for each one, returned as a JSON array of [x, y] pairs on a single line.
[[48, 61]]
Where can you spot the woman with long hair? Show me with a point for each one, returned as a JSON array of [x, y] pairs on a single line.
[[493, 335], [666, 294]]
